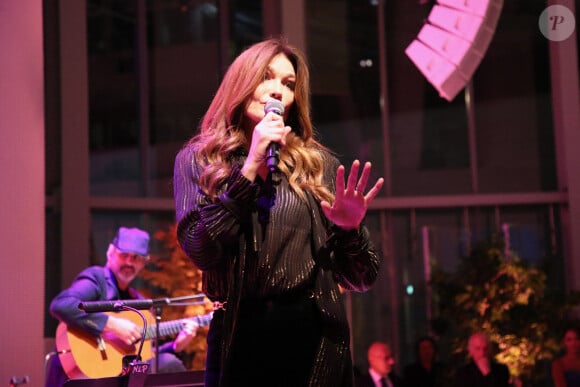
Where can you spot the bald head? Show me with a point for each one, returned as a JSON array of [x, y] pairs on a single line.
[[478, 346], [380, 358]]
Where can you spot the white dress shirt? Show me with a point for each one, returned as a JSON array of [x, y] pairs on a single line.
[[377, 378]]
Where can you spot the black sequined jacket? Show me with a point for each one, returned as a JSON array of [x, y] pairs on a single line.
[[218, 236]]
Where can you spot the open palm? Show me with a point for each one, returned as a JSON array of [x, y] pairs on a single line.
[[350, 202]]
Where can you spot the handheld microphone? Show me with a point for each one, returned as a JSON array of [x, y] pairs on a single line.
[[273, 151]]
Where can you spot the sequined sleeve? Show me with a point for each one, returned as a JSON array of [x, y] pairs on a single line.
[[352, 255], [207, 230], [354, 258]]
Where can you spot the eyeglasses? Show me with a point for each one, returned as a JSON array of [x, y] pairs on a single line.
[[132, 257]]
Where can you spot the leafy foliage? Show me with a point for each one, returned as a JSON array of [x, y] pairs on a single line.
[[496, 292], [174, 275]]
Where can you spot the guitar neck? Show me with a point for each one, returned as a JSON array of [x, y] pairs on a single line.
[[169, 328]]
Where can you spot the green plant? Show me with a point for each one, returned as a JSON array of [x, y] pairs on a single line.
[[494, 291], [172, 274]]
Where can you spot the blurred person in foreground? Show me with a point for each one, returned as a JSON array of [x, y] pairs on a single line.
[[273, 242]]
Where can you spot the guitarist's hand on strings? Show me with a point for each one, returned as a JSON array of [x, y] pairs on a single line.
[[124, 329], [185, 336]]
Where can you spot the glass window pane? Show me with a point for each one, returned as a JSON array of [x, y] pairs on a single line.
[[341, 48], [184, 71], [529, 234], [181, 62], [245, 25], [513, 112], [428, 135], [113, 125]]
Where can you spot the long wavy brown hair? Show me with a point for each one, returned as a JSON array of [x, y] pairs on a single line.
[[221, 130]]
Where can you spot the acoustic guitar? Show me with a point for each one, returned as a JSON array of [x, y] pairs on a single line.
[[85, 356]]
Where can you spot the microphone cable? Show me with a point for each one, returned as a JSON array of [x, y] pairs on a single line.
[[143, 333]]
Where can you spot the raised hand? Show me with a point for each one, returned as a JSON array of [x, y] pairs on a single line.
[[350, 202]]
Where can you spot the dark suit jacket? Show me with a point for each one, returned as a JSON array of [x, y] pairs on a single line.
[[365, 380], [470, 375], [95, 283], [414, 375]]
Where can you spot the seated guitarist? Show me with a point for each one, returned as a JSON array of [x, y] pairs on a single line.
[[126, 256]]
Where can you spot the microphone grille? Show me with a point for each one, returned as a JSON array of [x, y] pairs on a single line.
[[275, 106]]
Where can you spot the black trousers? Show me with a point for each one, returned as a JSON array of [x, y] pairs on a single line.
[[274, 343]]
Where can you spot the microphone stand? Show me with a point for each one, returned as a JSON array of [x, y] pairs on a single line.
[[158, 309], [158, 306], [134, 364]]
